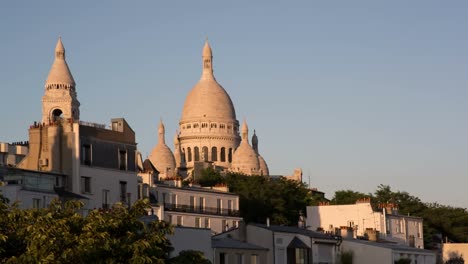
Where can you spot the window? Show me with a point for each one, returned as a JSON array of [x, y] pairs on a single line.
[[254, 259], [234, 223], [86, 158], [36, 203], [169, 219], [197, 222], [189, 154], [192, 202], [164, 198], [218, 206], [207, 222], [179, 220], [230, 155], [205, 153], [115, 126], [105, 199], [196, 154], [240, 258], [229, 206], [223, 154], [122, 160], [214, 154], [224, 225], [222, 258], [201, 205], [85, 184], [174, 199], [123, 191]]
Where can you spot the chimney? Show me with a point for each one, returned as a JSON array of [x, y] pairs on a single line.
[[268, 221]]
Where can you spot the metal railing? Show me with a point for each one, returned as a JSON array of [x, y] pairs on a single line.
[[200, 210]]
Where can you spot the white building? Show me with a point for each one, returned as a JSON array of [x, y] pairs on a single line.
[[197, 207], [361, 216], [286, 244], [12, 154]]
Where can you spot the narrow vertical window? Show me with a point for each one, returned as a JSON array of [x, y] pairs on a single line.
[[122, 159], [196, 154], [223, 154], [230, 155], [123, 191], [205, 153], [85, 184], [105, 199], [214, 154], [189, 154], [86, 158]]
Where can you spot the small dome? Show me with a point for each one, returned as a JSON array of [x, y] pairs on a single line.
[[161, 156], [59, 72], [245, 159], [263, 166]]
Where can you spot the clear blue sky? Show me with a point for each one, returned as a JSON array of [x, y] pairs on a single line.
[[356, 93]]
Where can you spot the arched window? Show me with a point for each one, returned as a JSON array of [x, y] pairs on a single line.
[[189, 154], [184, 157], [223, 154], [196, 154], [205, 153], [214, 154], [230, 155]]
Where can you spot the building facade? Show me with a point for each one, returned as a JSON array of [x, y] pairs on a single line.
[[98, 162], [197, 207], [362, 218]]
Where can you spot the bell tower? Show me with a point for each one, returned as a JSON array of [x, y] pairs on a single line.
[[59, 100]]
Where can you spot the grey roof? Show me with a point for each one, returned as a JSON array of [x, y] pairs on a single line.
[[297, 230], [297, 243], [227, 242], [389, 245]]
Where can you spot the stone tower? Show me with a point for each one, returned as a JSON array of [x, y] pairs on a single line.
[[59, 100]]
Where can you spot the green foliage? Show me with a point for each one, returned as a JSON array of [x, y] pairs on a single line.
[[58, 234], [346, 257], [189, 257], [209, 178], [347, 197], [260, 197]]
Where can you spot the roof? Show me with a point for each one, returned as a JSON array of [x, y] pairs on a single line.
[[227, 242], [389, 245], [297, 230], [297, 243], [193, 189], [62, 193]]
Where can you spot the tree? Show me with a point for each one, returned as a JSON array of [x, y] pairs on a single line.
[[209, 178], [260, 198], [189, 257], [348, 197], [58, 234]]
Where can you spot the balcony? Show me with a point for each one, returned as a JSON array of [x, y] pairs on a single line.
[[200, 210]]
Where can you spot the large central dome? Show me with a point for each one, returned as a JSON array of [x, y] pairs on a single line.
[[208, 100]]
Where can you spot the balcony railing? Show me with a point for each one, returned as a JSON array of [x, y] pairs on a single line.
[[200, 210]]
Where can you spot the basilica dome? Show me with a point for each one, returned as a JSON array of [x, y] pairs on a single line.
[[162, 157], [245, 159], [208, 100]]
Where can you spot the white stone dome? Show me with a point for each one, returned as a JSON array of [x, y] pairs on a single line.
[[60, 73], [245, 159], [263, 166], [208, 100], [162, 157]]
